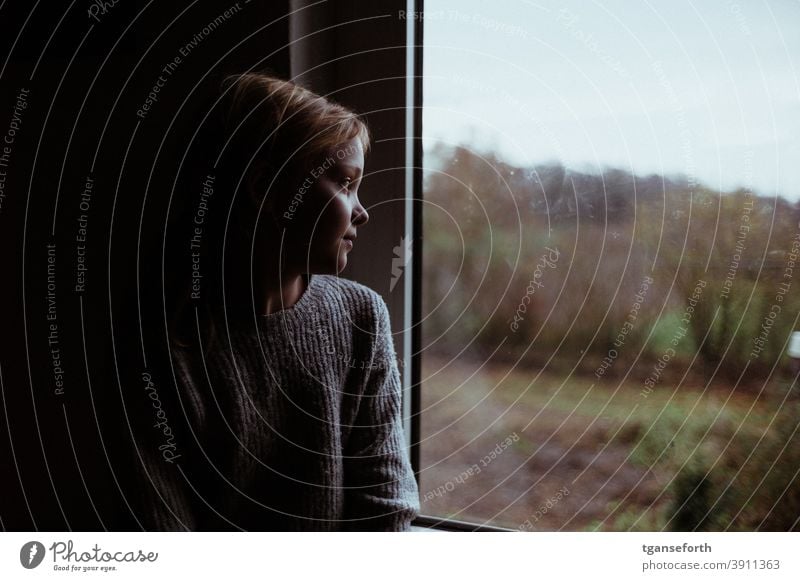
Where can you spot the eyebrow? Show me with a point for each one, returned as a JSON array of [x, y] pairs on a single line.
[[355, 168]]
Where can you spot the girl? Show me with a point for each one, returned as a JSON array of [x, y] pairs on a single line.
[[272, 425]]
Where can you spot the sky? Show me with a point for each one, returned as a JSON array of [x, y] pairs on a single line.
[[710, 89]]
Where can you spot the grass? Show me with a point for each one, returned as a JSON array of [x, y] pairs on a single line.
[[710, 450]]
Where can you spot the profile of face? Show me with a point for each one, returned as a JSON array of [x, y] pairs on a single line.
[[323, 213]]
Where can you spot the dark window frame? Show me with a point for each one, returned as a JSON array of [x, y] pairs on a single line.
[[369, 56], [414, 192]]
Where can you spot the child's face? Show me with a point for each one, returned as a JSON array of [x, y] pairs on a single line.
[[327, 211]]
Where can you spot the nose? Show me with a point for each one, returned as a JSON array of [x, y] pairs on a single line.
[[360, 215]]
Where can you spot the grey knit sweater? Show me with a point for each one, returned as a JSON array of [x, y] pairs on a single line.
[[294, 424]]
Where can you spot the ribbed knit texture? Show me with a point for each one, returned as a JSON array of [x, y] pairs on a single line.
[[295, 424]]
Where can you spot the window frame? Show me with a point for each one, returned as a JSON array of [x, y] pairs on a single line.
[[412, 338], [379, 47]]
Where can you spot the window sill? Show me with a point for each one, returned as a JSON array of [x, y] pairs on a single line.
[[431, 524]]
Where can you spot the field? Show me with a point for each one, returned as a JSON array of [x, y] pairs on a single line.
[[585, 456]]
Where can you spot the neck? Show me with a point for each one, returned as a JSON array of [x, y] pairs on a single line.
[[276, 284], [277, 294]]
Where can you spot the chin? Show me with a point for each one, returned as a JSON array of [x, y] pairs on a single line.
[[342, 260]]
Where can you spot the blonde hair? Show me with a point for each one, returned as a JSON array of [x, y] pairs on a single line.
[[292, 125], [284, 128]]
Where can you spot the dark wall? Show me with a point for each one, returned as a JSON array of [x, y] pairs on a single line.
[[84, 79]]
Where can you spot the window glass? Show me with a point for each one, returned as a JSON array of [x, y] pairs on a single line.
[[610, 286]]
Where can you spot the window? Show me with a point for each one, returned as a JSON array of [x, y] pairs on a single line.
[[611, 230]]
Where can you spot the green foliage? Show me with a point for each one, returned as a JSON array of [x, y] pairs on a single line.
[[665, 330], [723, 471], [758, 483], [488, 223], [636, 520], [692, 490]]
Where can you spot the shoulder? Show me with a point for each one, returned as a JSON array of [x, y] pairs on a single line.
[[365, 306], [369, 317]]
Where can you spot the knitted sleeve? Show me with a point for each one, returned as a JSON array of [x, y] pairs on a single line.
[[381, 493]]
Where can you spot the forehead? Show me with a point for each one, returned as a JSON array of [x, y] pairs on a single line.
[[349, 154]]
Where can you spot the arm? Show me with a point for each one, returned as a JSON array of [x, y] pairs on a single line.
[[169, 468], [380, 489]]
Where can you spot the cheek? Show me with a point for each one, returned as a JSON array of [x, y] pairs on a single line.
[[336, 217], [325, 214], [313, 210]]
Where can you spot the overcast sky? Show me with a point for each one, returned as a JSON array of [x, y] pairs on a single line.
[[710, 89]]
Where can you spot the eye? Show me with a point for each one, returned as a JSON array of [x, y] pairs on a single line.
[[346, 183]]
